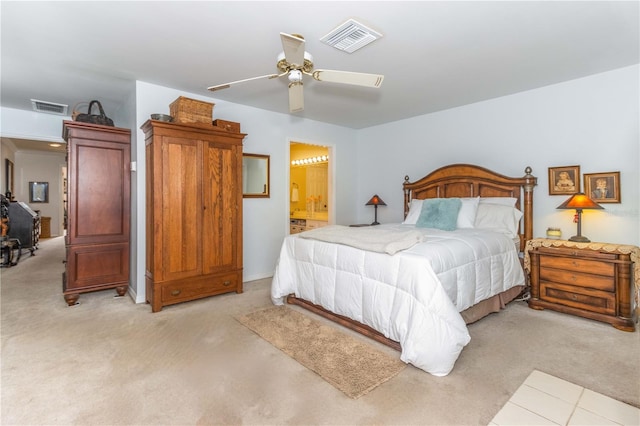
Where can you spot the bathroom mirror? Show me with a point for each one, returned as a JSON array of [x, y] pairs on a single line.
[[255, 176]]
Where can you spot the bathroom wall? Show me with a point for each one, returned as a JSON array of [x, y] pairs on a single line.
[[305, 179]]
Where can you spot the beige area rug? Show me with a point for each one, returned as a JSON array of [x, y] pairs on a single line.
[[348, 364]]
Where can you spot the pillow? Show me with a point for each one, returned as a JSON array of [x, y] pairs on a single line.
[[467, 214], [505, 201], [499, 218], [414, 212], [439, 213]]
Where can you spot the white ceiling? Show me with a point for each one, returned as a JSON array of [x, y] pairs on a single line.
[[434, 55]]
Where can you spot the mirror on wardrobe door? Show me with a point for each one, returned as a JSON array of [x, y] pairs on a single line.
[[255, 176]]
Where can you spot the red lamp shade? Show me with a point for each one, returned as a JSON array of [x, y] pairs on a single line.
[[579, 201]]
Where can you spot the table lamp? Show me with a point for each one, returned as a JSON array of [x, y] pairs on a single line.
[[579, 201], [375, 201]]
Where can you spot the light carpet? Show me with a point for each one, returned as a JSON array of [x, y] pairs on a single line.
[[342, 360], [110, 361]]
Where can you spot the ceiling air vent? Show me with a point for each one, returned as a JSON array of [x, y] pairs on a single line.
[[350, 36], [49, 107]]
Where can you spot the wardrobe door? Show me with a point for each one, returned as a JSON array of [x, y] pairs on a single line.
[[99, 192], [220, 217], [181, 208]]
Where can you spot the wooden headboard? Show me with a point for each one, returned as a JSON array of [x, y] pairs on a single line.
[[466, 180]]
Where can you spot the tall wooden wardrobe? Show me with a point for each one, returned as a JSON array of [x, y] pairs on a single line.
[[98, 209], [194, 212]]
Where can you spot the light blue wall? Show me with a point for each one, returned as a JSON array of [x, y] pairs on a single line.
[[592, 122]]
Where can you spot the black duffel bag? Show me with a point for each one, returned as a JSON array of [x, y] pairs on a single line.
[[94, 118]]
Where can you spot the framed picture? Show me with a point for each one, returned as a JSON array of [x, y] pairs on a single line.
[[38, 192], [8, 166], [564, 180], [603, 187]]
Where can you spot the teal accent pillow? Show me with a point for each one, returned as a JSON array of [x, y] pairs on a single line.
[[439, 213]]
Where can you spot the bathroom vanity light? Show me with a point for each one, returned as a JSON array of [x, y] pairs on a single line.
[[311, 160]]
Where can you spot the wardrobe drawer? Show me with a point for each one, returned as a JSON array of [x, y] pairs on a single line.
[[201, 287]]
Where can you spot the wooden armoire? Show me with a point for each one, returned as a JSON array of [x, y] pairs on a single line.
[[193, 212], [98, 209]]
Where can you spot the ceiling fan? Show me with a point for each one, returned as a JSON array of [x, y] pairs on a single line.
[[294, 62]]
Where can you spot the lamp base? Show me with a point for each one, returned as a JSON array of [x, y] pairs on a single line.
[[580, 239], [375, 223]]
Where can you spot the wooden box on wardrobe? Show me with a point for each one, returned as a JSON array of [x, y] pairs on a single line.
[[98, 210], [193, 212]]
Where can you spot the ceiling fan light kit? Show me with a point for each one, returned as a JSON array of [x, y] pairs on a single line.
[[294, 62], [295, 76]]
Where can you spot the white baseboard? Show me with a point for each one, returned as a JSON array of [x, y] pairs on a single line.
[[255, 277]]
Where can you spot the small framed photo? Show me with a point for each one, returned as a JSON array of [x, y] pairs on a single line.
[[603, 187], [38, 192], [564, 180]]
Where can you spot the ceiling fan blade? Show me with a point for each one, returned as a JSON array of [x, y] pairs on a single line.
[[293, 49], [296, 97], [347, 77], [226, 85]]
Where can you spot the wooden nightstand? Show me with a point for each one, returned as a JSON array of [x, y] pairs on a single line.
[[591, 280]]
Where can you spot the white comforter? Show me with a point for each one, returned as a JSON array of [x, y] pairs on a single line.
[[414, 296]]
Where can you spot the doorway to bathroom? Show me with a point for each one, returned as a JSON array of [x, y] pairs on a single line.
[[310, 191]]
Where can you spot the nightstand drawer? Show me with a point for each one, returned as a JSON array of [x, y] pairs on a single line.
[[586, 265], [600, 282], [578, 297], [578, 253]]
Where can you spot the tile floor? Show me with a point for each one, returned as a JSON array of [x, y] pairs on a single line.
[[547, 400]]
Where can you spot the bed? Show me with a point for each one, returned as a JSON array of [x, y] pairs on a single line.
[[416, 285]]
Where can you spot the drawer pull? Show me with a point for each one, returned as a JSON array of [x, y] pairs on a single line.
[[574, 297], [226, 283], [573, 278], [176, 292], [575, 263]]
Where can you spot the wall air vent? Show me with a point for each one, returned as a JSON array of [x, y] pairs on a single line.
[[350, 36], [49, 107]]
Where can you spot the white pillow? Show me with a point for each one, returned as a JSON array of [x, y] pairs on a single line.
[[415, 208], [499, 218], [467, 213], [505, 201]]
